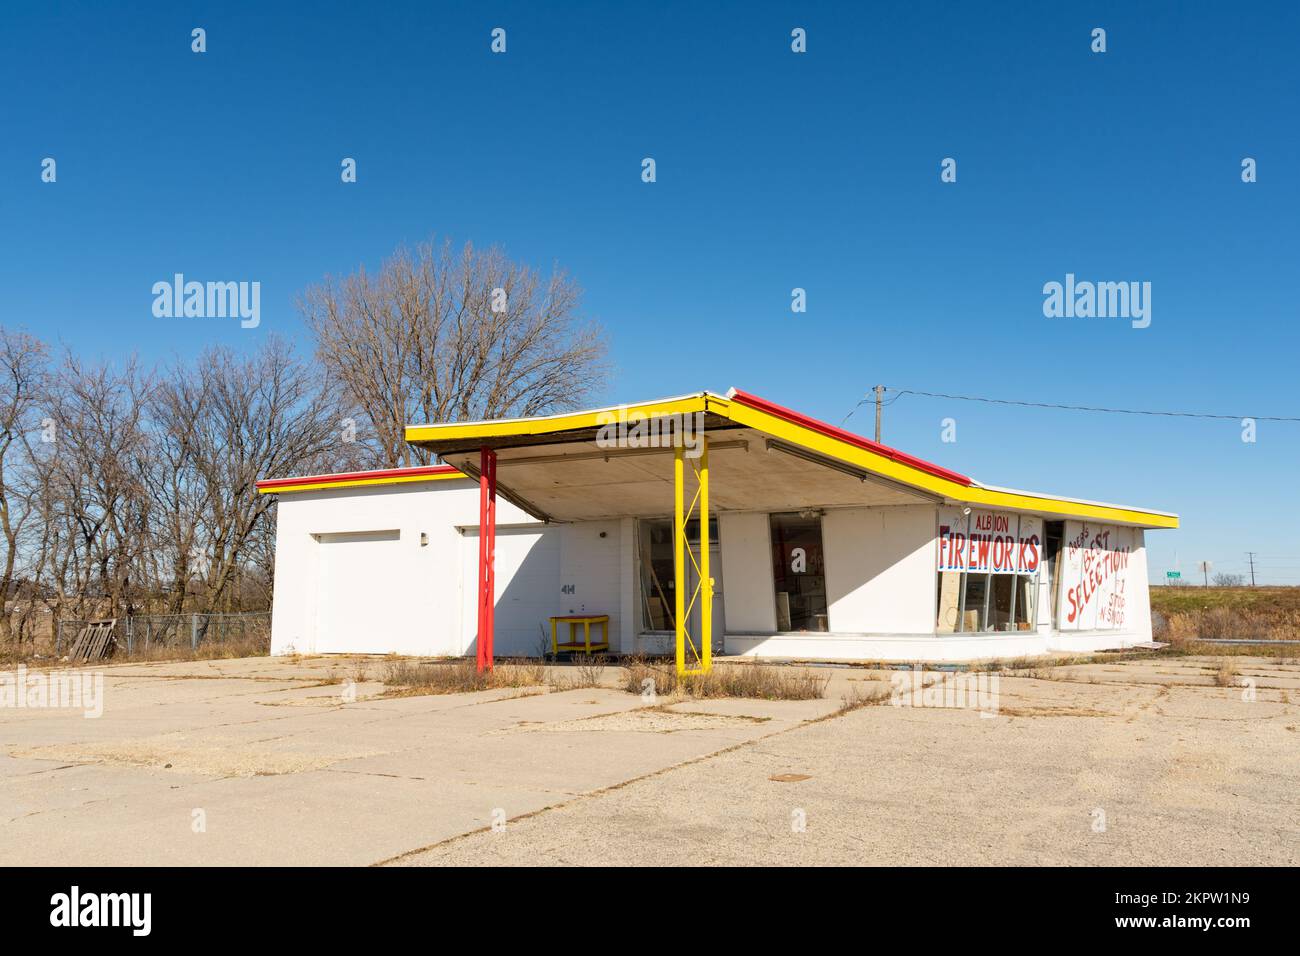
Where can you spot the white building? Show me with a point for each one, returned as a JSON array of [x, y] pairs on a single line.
[[819, 544]]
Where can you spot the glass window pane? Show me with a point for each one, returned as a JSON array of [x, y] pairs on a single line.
[[1000, 602], [693, 530], [658, 579], [1026, 602], [798, 573], [974, 616], [1054, 533], [949, 601]]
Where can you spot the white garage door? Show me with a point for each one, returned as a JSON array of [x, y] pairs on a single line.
[[527, 589], [358, 592]]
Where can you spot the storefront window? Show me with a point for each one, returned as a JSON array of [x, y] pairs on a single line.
[[971, 602], [658, 580], [798, 572], [988, 572]]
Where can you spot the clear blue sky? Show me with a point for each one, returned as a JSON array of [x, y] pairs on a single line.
[[775, 171]]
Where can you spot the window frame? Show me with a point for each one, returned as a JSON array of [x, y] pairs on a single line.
[[641, 522], [820, 518], [1034, 582]]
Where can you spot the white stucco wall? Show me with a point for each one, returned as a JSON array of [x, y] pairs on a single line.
[[593, 567], [1140, 588], [628, 606], [747, 595], [880, 572], [425, 616]]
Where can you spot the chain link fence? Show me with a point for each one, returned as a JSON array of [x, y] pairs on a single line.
[[140, 632]]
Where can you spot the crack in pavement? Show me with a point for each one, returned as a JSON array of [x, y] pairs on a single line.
[[589, 794]]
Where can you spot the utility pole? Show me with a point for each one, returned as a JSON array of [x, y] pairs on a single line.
[[880, 393], [1251, 556]]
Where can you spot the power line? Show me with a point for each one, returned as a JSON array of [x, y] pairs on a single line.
[[899, 393], [869, 398]]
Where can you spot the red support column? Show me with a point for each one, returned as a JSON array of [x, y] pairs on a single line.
[[487, 547]]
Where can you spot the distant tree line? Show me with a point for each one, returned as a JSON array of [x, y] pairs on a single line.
[[126, 489]]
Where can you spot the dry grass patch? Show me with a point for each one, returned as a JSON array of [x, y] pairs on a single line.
[[403, 678], [1282, 653], [207, 651], [1227, 675], [757, 681], [160, 653], [659, 719], [1050, 711], [359, 672], [586, 673], [856, 698], [1191, 613]]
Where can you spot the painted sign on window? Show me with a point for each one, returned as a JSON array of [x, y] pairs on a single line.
[[1094, 576], [994, 542]]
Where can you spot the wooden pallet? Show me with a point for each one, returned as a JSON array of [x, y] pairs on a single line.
[[95, 641]]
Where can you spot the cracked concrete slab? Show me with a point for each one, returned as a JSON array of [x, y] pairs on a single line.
[[269, 764]]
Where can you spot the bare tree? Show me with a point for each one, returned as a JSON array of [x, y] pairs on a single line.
[[140, 493], [95, 495], [1224, 580], [22, 387], [267, 414], [178, 409], [439, 335]]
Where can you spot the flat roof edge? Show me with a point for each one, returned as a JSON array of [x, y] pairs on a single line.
[[352, 479], [560, 416], [1077, 501]]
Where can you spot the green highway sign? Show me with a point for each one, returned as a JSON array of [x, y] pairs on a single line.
[[1173, 574]]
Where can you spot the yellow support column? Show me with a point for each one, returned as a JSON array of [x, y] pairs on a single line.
[[700, 657], [679, 555], [706, 582]]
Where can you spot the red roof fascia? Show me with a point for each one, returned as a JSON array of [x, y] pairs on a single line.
[[780, 411]]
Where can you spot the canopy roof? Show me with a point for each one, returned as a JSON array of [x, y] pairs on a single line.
[[762, 457]]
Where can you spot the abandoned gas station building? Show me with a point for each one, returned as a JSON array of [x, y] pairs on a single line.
[[699, 525]]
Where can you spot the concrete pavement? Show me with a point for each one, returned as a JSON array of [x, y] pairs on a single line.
[[260, 761], [257, 762]]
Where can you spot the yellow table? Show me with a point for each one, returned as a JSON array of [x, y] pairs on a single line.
[[585, 645]]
